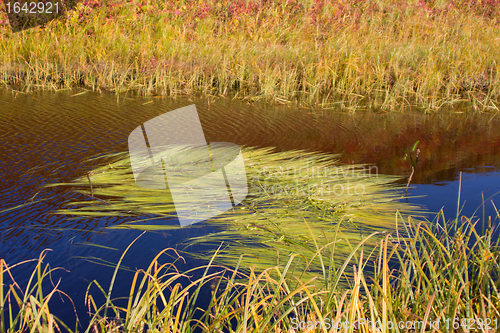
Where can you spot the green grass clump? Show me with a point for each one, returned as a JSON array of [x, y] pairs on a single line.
[[383, 54], [287, 192]]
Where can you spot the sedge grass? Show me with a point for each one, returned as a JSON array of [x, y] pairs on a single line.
[[433, 279], [28, 309], [381, 54]]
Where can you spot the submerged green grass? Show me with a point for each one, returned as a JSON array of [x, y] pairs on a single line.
[[382, 54], [298, 202]]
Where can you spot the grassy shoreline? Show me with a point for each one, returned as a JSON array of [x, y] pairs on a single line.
[[439, 280], [377, 54]]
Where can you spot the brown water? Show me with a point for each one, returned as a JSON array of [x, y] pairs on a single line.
[[44, 138]]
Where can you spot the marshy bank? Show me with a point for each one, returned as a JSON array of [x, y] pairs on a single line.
[[366, 54]]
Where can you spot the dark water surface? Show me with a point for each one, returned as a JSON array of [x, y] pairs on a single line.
[[44, 138]]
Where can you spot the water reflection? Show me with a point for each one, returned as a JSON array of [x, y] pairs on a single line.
[[449, 141]]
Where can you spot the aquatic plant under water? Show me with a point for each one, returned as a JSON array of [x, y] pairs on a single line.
[[297, 202]]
